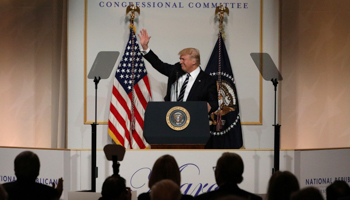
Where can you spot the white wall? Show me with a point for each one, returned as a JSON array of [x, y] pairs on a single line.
[[172, 29]]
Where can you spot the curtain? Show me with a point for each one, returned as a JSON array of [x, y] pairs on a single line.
[[33, 73], [315, 92]]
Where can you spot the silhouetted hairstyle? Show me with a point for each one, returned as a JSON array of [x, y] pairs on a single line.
[[165, 167], [165, 189], [113, 187], [229, 168], [338, 189], [27, 166], [308, 193], [282, 185]]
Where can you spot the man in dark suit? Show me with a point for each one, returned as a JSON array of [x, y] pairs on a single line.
[[27, 166], [228, 174], [199, 86]]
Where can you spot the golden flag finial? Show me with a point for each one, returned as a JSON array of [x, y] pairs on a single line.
[[132, 8], [221, 10]]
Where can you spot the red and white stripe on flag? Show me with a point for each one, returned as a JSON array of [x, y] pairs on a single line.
[[131, 92]]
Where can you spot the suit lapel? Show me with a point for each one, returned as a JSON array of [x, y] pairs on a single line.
[[177, 73], [195, 87]]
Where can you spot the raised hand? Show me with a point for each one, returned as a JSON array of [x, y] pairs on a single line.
[[144, 39], [59, 187]]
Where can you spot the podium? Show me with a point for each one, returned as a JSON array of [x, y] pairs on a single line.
[[179, 125]]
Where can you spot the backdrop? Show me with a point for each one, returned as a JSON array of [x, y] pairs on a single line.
[[103, 26]]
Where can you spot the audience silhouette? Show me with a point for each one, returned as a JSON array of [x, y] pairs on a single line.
[[338, 190], [165, 167], [114, 188], [165, 189], [308, 193], [3, 193], [27, 167], [228, 173], [282, 185], [164, 183]]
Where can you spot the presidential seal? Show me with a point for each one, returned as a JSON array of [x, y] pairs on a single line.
[[227, 101], [178, 118]]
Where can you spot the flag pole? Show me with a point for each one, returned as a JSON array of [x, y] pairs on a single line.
[[220, 10], [130, 94], [228, 134], [132, 9]]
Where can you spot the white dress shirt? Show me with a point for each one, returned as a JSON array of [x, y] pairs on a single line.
[[181, 80]]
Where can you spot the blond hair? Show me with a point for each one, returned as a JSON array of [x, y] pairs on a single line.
[[193, 53]]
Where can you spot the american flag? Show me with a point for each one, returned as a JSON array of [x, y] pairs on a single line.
[[131, 92]]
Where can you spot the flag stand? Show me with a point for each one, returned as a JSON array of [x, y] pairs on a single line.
[[269, 72], [101, 69]]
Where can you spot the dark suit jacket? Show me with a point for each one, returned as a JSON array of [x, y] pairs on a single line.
[[203, 89], [227, 189], [29, 190]]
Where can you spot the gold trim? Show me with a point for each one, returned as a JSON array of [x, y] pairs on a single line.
[[251, 123], [66, 114], [261, 50], [211, 150], [106, 122], [85, 63], [178, 128], [318, 149], [260, 77], [98, 122], [232, 150], [37, 148], [280, 61]]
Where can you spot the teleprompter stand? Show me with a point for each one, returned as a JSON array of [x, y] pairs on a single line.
[[114, 153], [269, 72], [101, 69]]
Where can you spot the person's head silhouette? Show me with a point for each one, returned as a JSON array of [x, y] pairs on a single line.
[[27, 166]]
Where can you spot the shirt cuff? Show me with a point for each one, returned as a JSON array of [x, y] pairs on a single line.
[[144, 52]]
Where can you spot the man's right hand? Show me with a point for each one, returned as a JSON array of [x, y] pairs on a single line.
[[144, 39], [59, 187]]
